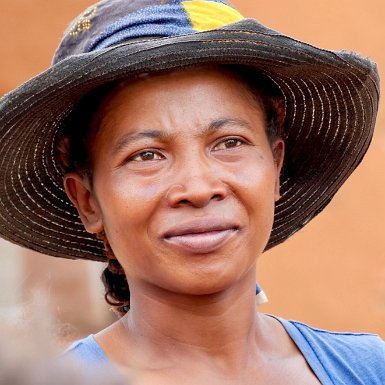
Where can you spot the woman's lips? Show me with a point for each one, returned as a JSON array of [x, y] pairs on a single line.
[[201, 238]]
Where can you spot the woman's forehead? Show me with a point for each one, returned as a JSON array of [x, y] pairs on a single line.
[[201, 73], [186, 89], [167, 84]]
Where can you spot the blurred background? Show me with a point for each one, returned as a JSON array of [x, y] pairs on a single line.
[[331, 274]]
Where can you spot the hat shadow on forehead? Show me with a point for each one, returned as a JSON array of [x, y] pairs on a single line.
[[331, 104]]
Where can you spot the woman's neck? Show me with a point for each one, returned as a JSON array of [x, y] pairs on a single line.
[[222, 326], [216, 339]]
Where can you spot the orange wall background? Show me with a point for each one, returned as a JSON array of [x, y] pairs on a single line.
[[332, 273]]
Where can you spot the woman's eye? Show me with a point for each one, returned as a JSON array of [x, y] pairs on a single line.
[[146, 156], [229, 143]]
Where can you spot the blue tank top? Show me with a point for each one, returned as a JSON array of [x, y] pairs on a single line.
[[335, 358]]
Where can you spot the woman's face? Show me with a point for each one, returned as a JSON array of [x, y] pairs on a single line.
[[184, 180]]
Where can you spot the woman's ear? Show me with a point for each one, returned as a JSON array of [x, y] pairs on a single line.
[[278, 149], [80, 193]]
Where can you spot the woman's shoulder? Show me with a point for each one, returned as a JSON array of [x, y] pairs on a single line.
[[342, 342], [350, 356], [87, 351]]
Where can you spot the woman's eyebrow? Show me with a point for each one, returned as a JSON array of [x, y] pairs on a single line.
[[130, 138], [215, 125]]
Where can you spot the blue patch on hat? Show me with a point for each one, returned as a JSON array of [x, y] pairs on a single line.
[[160, 21]]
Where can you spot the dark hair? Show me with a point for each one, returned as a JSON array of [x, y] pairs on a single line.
[[80, 128]]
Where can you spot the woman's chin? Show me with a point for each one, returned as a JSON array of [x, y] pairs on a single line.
[[208, 283]]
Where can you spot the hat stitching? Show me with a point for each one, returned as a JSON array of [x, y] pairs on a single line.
[[337, 178], [323, 143], [83, 22], [34, 202]]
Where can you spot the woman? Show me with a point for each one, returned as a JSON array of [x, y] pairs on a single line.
[[189, 140]]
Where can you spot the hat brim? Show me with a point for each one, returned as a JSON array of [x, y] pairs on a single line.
[[331, 105]]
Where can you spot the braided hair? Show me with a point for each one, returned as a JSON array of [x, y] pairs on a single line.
[[72, 154]]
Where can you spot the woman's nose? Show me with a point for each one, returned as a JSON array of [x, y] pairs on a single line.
[[196, 189]]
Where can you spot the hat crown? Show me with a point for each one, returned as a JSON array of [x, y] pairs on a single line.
[[111, 22]]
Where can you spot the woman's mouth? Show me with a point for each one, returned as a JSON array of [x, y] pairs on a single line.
[[201, 238]]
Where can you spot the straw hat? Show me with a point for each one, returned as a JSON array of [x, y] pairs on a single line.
[[331, 105]]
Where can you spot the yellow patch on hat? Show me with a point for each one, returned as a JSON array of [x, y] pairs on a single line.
[[207, 15]]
